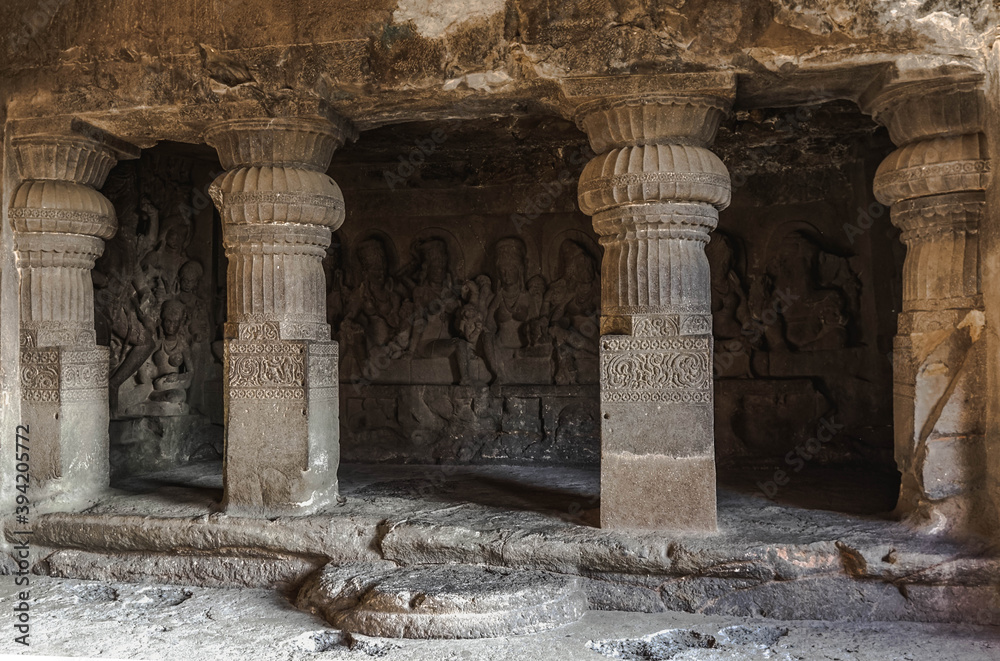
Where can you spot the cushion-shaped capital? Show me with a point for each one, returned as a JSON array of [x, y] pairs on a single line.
[[64, 157], [658, 120], [259, 195], [62, 207], [933, 167], [654, 173], [931, 109]]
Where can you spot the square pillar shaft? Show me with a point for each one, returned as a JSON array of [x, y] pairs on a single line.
[[278, 210], [654, 192]]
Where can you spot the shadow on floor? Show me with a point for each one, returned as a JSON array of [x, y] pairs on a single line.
[[570, 493]]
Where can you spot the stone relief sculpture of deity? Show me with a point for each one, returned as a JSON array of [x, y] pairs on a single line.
[[433, 296], [509, 308], [336, 289], [571, 308], [735, 335], [162, 264], [151, 307], [376, 322], [501, 328], [815, 313]]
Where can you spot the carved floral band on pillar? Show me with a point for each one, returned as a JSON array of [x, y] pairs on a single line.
[[60, 224], [278, 210], [935, 182], [654, 192]]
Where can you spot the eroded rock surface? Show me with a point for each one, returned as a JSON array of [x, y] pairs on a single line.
[[442, 601]]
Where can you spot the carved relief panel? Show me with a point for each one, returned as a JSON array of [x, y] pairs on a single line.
[[157, 309]]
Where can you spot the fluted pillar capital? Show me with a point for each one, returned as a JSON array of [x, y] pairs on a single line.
[[276, 170], [931, 108], [295, 142], [61, 170], [621, 111]]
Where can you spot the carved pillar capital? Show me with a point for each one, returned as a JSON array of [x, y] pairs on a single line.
[[60, 222], [276, 170], [655, 191], [294, 142], [278, 208], [927, 109], [936, 184]]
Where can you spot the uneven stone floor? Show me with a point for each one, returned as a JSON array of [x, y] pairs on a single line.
[[819, 551], [129, 621]]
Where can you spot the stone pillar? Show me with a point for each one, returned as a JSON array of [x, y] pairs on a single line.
[[935, 183], [60, 224], [990, 268], [655, 191], [278, 210]]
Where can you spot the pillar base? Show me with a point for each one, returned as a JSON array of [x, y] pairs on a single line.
[[64, 404], [282, 427], [658, 492], [657, 433]]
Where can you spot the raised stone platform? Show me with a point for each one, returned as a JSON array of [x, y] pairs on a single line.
[[795, 558]]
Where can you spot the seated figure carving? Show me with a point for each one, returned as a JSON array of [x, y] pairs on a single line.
[[160, 387]]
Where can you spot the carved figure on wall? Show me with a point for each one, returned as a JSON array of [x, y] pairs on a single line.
[[434, 300], [172, 356], [376, 322], [149, 262], [189, 284], [815, 316], [471, 322], [160, 385], [509, 308], [162, 265], [498, 330], [730, 312], [336, 290], [572, 306], [735, 334]]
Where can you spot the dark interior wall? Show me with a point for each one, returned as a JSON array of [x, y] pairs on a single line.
[[465, 294], [806, 289], [464, 289]]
